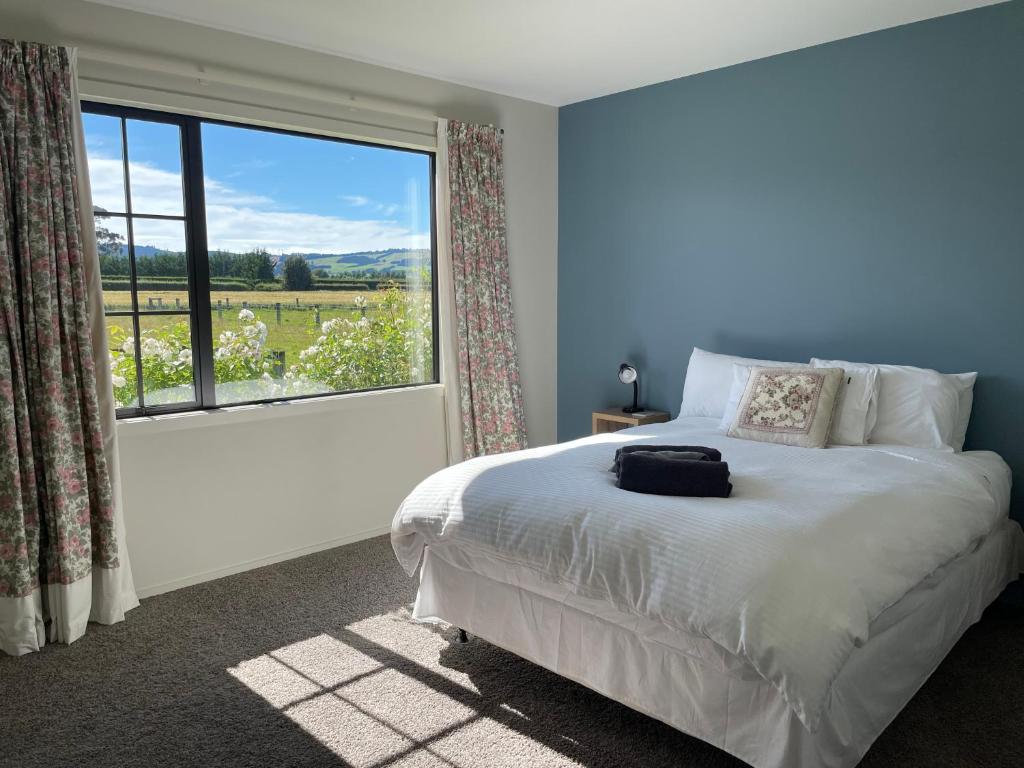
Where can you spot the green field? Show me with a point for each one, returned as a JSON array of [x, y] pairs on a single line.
[[301, 313]]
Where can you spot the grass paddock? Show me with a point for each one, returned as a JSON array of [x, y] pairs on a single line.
[[297, 328]]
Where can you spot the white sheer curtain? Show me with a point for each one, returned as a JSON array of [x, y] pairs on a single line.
[[112, 589], [446, 303]]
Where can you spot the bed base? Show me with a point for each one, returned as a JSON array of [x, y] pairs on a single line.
[[729, 707]]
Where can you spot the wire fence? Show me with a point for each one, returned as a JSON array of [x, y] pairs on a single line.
[[222, 306]]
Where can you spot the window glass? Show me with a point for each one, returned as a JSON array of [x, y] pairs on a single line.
[[315, 275], [143, 263], [320, 264], [115, 265], [161, 264], [106, 161], [154, 168], [168, 376]]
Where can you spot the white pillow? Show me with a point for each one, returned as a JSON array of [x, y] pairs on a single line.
[[709, 381], [965, 383], [740, 377], [857, 408], [919, 406]]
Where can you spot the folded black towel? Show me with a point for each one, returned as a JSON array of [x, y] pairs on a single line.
[[647, 472], [680, 455], [712, 454]]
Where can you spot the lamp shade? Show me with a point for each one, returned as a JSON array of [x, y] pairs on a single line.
[[628, 375]]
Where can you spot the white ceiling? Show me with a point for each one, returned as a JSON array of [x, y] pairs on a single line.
[[552, 51]]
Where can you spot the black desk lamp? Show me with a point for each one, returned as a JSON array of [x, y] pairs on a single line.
[[629, 375]]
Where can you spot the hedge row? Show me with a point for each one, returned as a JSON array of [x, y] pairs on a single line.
[[324, 285], [119, 283], [175, 284]]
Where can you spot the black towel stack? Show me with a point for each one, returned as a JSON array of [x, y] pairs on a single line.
[[672, 470]]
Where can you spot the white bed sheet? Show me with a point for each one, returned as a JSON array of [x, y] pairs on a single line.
[[785, 578], [679, 679]]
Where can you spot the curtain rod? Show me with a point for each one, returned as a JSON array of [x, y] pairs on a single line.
[[357, 118], [205, 74]]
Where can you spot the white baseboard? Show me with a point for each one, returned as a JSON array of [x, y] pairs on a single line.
[[248, 565]]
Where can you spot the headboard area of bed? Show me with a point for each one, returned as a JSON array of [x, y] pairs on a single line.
[[860, 200]]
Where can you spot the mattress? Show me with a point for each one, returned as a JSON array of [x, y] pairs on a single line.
[[780, 583], [697, 687]]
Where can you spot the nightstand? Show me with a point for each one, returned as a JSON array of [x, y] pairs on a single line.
[[613, 419]]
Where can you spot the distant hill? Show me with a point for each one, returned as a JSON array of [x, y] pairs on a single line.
[[386, 261], [341, 264]]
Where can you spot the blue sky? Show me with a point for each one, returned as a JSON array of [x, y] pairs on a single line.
[[286, 193]]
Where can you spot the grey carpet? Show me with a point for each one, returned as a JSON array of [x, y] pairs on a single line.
[[313, 662]]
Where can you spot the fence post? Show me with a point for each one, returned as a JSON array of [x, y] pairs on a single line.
[[296, 301], [317, 319], [245, 305], [150, 300], [220, 310], [277, 311], [177, 303], [227, 302]]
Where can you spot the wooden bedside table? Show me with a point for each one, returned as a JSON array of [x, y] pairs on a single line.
[[613, 419]]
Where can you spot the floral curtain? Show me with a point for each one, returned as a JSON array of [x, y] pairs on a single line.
[[60, 553], [488, 366]]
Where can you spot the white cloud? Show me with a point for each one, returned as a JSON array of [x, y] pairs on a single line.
[[387, 210], [237, 228], [221, 194], [238, 220]]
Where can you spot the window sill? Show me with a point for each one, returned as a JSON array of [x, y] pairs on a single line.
[[242, 414]]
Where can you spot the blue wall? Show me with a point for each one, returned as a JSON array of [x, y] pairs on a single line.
[[862, 199]]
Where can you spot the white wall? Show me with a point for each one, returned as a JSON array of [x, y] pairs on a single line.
[[208, 494], [254, 486]]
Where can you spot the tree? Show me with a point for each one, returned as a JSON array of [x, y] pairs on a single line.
[[161, 264], [255, 266], [221, 263], [108, 241], [297, 275], [110, 247]]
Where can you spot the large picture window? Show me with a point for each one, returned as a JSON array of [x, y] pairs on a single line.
[[245, 264]]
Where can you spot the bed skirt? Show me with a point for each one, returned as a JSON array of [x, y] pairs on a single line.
[[673, 678]]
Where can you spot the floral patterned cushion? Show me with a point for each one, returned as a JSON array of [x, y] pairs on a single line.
[[791, 406]]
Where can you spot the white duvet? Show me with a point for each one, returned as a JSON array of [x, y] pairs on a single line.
[[787, 573]]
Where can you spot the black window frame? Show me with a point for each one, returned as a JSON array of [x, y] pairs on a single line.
[[199, 311]]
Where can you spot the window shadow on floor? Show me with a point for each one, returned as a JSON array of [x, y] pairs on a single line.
[[155, 690], [316, 662]]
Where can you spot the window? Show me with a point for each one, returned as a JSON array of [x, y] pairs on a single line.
[[244, 264]]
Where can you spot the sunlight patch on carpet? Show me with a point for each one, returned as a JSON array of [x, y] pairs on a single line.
[[403, 638], [376, 696]]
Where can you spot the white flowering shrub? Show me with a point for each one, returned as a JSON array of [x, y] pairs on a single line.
[[391, 346], [242, 355], [167, 359]]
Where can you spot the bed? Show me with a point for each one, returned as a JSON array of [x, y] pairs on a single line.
[[787, 625]]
